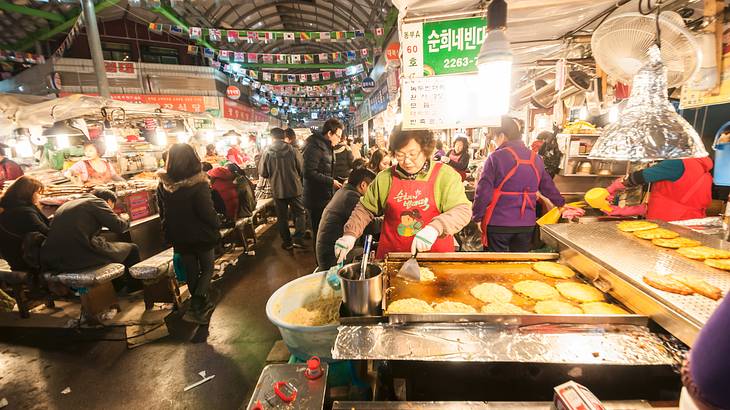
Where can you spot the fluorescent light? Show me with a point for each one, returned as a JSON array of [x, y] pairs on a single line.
[[160, 137], [24, 149], [110, 142], [62, 141]]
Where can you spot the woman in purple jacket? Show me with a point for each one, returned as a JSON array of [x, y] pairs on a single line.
[[504, 203]]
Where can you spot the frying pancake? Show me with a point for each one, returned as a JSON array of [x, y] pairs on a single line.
[[676, 243], [553, 270], [658, 233], [556, 307], [579, 292], [602, 308], [535, 290], [667, 283], [700, 286], [491, 292], [453, 307], [499, 308], [703, 252], [410, 305], [426, 274], [723, 264], [633, 226]]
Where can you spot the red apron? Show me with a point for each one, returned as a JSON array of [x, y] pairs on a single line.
[[96, 177], [498, 192], [686, 198], [411, 205]]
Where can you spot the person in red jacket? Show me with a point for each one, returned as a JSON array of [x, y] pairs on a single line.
[[681, 189], [222, 181], [9, 170]]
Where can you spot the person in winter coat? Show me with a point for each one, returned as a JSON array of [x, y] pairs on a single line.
[[190, 224], [506, 194], [319, 182], [706, 372], [337, 213], [222, 181], [550, 153], [75, 243], [9, 169], [282, 165], [20, 216], [680, 189], [343, 161], [458, 157]]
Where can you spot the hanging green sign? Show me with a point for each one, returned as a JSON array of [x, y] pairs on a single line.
[[442, 47]]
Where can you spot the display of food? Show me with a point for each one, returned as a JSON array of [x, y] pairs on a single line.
[[426, 274], [676, 243], [602, 308], [553, 270], [699, 286], [579, 292], [723, 264], [657, 233], [453, 307], [633, 226], [499, 308], [535, 290], [704, 252], [491, 292], [667, 283], [318, 312], [410, 305], [556, 307]]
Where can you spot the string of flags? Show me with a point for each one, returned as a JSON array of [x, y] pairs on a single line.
[[70, 38], [21, 57], [235, 36], [268, 77], [230, 56]]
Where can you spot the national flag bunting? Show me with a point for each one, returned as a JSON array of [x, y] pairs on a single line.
[[364, 52], [278, 77], [209, 53], [224, 55], [325, 35], [155, 27], [315, 76], [296, 58], [266, 76], [291, 78], [239, 57], [338, 73], [335, 57], [338, 35], [195, 32], [253, 36], [233, 36], [252, 57], [302, 78], [323, 57], [304, 36], [193, 50], [289, 36], [351, 55], [176, 30], [378, 31], [268, 58], [214, 34], [326, 75], [281, 58], [308, 59], [359, 33], [268, 36]]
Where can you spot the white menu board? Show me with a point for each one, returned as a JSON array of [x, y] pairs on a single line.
[[439, 102]]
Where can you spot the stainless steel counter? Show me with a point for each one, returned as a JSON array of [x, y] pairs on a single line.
[[481, 342], [478, 405], [617, 262]]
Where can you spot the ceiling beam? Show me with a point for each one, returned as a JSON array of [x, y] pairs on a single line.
[[246, 15], [29, 11], [66, 25]]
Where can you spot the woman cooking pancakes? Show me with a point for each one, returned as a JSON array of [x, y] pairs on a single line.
[[93, 170], [423, 201]]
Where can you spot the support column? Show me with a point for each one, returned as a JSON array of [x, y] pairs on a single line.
[[97, 57]]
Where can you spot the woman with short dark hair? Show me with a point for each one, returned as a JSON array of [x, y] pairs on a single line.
[[422, 200], [20, 216], [458, 157], [190, 223]]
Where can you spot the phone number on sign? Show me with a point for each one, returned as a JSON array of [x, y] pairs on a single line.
[[459, 62]]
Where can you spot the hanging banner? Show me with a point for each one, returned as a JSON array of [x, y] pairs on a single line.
[[444, 102], [442, 47]]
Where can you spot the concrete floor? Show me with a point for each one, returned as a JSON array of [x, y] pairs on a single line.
[[35, 366]]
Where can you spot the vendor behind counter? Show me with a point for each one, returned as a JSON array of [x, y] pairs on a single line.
[[93, 170]]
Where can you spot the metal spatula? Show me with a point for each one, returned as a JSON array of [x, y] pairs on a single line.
[[410, 269]]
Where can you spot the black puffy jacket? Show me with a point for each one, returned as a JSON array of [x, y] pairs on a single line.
[[189, 219], [318, 170]]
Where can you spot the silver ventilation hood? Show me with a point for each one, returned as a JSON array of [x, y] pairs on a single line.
[[649, 129]]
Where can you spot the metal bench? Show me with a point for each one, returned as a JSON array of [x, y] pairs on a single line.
[[95, 287], [21, 283], [158, 277]]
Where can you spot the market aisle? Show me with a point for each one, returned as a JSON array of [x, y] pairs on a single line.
[[36, 367]]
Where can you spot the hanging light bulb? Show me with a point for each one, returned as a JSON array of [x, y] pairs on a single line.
[[583, 113], [23, 148], [613, 114], [110, 142], [160, 137], [209, 136], [495, 61]]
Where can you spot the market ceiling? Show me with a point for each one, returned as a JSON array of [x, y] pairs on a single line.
[[24, 21]]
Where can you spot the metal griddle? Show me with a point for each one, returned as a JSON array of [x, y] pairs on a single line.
[[457, 273]]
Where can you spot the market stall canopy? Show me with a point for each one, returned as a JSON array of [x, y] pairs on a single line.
[[9, 106], [75, 106], [537, 29]]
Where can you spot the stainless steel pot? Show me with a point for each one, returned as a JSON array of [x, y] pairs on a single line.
[[362, 297]]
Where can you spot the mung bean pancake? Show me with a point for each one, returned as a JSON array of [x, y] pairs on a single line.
[[579, 292], [535, 290], [553, 270], [491, 292], [556, 307]]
